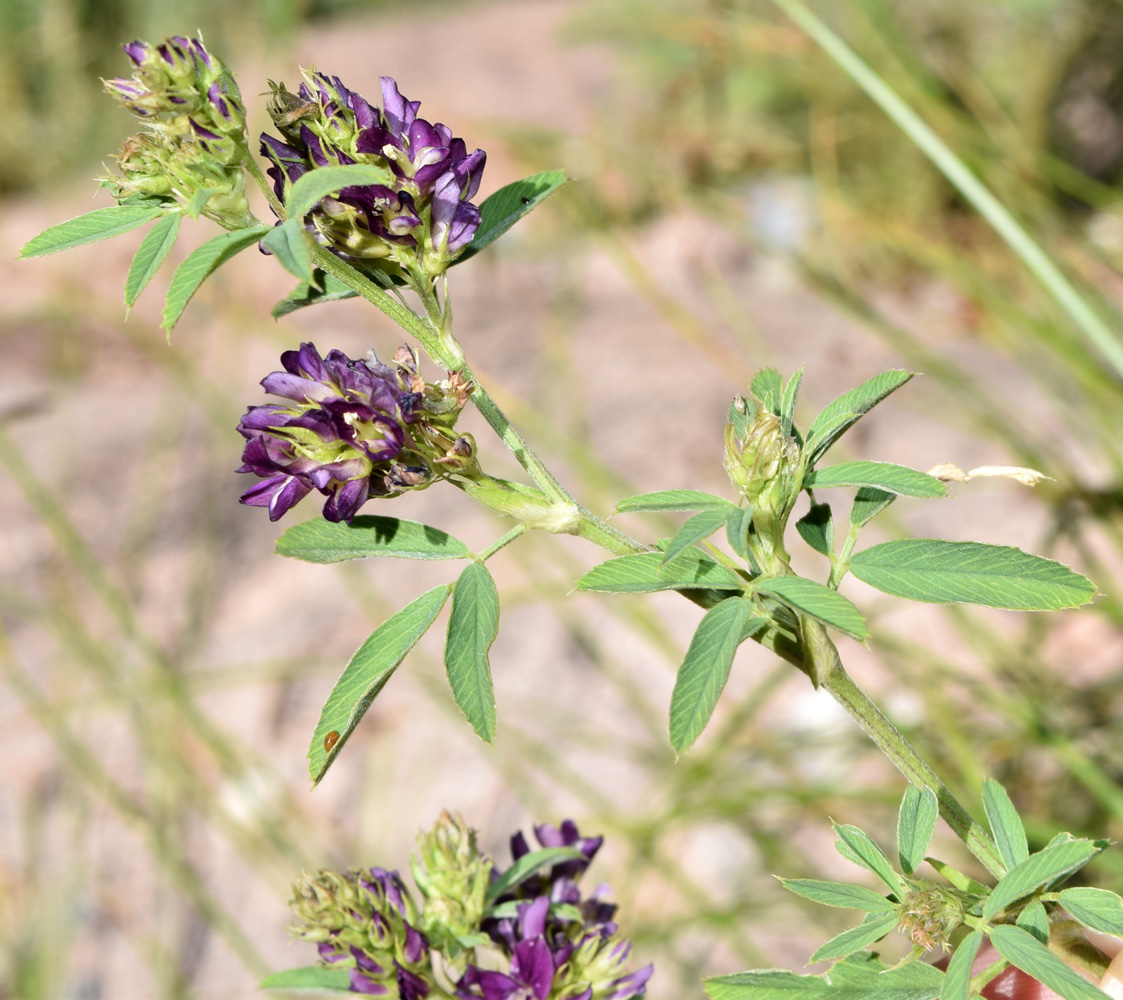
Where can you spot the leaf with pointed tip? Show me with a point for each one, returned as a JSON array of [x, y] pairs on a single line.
[[289, 244], [884, 476], [817, 529], [916, 823], [321, 541], [1035, 920], [1022, 950], [366, 675], [644, 573], [672, 500], [200, 264], [527, 865], [472, 627], [957, 977], [501, 210], [151, 253], [847, 409], [962, 882], [873, 928], [767, 386], [1098, 909], [841, 894], [859, 977], [787, 402], [996, 576], [318, 979], [323, 288], [870, 857], [311, 188], [820, 602], [705, 669], [1047, 865], [100, 224], [694, 529], [1005, 824], [868, 504], [738, 522]]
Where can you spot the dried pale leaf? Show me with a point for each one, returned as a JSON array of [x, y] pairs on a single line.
[[948, 473]]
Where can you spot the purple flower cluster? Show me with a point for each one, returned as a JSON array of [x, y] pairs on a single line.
[[421, 214], [344, 433], [553, 952]]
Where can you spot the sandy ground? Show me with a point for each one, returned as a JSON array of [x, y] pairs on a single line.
[[126, 435]]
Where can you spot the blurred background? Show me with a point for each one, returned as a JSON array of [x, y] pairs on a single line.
[[737, 202]]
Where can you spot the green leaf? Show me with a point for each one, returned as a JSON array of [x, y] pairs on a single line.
[[200, 264], [997, 576], [199, 201], [366, 675], [323, 288], [309, 979], [817, 529], [787, 403], [767, 386], [916, 823], [672, 500], [154, 248], [643, 573], [289, 244], [1005, 824], [858, 977], [962, 882], [1022, 950], [321, 541], [1096, 908], [738, 521], [501, 210], [752, 626], [813, 599], [694, 529], [527, 865], [840, 894], [957, 977], [885, 476], [472, 627], [870, 857], [100, 224], [705, 669], [868, 504], [1045, 866], [844, 411], [310, 189], [872, 929], [1035, 920]]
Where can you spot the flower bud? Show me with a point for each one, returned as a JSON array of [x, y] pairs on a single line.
[[929, 915], [454, 877]]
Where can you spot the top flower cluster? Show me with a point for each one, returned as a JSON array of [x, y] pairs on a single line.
[[419, 216]]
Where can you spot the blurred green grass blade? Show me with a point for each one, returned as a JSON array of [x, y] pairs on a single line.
[[957, 172]]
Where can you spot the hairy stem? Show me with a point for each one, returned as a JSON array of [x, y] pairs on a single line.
[[906, 759]]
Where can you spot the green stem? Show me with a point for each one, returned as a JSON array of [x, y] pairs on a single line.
[[500, 543], [906, 759], [254, 170], [429, 335]]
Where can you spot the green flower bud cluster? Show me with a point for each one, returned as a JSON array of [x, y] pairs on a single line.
[[453, 877], [763, 462], [929, 914], [195, 140]]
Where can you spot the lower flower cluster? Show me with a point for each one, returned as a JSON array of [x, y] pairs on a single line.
[[479, 933]]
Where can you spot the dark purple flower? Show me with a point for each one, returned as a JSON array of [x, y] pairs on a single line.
[[529, 978], [421, 215], [344, 433]]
